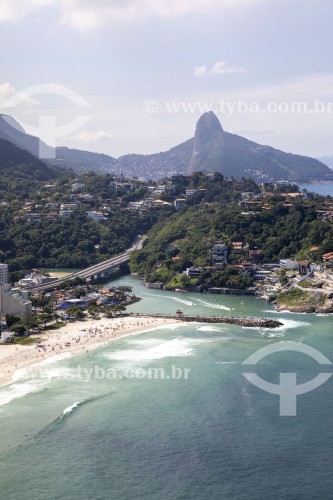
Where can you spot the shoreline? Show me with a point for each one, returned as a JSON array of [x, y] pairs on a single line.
[[305, 309], [73, 339]]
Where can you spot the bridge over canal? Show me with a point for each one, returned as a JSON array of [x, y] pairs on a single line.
[[98, 271]]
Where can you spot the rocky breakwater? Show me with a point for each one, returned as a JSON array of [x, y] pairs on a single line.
[[234, 320], [231, 320]]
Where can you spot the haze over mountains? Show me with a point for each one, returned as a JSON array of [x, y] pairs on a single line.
[[212, 149], [327, 160]]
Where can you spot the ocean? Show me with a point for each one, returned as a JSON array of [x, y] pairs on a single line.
[[325, 189], [168, 414]]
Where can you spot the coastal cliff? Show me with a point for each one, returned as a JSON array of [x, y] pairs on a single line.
[[299, 301]]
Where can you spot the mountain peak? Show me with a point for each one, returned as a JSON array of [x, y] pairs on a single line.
[[8, 122], [209, 123], [208, 130], [215, 150]]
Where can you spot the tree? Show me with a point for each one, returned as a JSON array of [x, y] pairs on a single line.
[[118, 308], [19, 330], [92, 309], [12, 319], [45, 318], [76, 311], [185, 280], [32, 323]]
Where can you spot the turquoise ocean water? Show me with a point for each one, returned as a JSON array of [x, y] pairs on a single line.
[[210, 435]]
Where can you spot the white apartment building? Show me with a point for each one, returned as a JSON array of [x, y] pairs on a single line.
[[69, 206], [3, 274], [14, 301], [97, 216], [190, 192]]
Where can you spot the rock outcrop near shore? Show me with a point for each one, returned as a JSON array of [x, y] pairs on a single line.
[[301, 301]]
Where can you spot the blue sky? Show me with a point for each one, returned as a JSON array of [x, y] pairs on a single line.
[[121, 54]]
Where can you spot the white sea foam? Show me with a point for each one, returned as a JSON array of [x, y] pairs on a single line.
[[253, 328], [324, 315], [54, 359], [16, 391], [289, 323], [144, 342], [281, 331], [20, 374], [172, 348], [283, 311], [210, 329], [51, 373], [171, 326], [181, 301], [71, 408], [273, 311], [278, 332], [37, 368], [171, 297], [43, 372], [273, 335], [214, 306]]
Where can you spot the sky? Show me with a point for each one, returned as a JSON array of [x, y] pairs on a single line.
[[134, 76]]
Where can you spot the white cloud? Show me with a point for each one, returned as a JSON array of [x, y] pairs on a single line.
[[219, 68], [14, 10], [7, 91], [85, 14], [88, 137], [200, 71], [223, 68]]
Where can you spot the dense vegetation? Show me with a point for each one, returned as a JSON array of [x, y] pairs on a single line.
[[175, 240], [76, 241], [280, 231], [300, 298], [21, 172]]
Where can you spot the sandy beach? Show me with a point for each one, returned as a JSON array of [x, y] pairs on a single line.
[[75, 338]]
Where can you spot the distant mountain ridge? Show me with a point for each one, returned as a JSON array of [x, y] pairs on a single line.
[[20, 165], [232, 155], [327, 160], [212, 150], [11, 130], [83, 161]]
